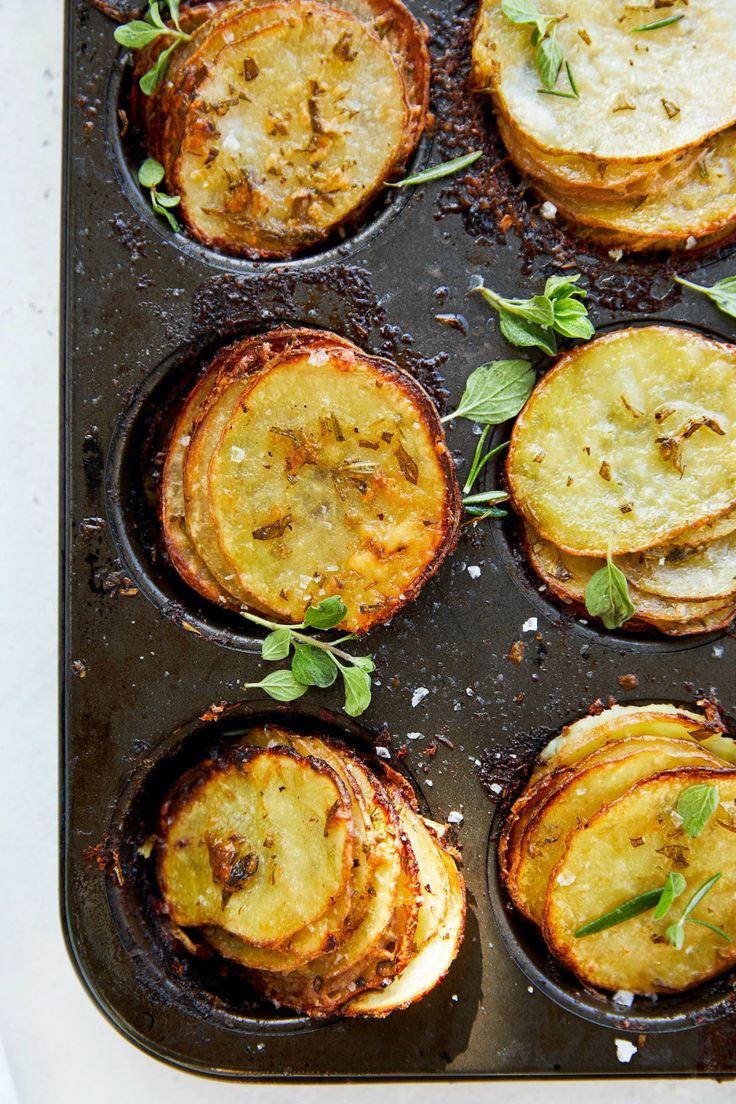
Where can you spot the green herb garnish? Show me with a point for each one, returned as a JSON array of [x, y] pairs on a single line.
[[696, 805], [676, 932], [150, 175], [607, 596], [437, 172], [643, 902], [495, 392], [314, 662], [723, 294], [140, 32], [535, 322], [666, 22], [673, 887], [548, 55]]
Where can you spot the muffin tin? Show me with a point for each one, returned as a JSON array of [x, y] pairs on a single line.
[[144, 660]]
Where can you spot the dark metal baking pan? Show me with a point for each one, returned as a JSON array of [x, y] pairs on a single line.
[[140, 308]]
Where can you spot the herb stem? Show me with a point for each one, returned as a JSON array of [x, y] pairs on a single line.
[[667, 22], [437, 172], [304, 638], [485, 496]]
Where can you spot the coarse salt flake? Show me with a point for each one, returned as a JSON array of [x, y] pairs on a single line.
[[383, 753], [318, 357], [184, 441], [530, 625], [415, 735], [237, 455], [625, 1050], [474, 571], [548, 210], [231, 143], [495, 788], [624, 997], [455, 817], [565, 879], [615, 254], [419, 695]]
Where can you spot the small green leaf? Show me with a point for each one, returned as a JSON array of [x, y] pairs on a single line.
[[571, 80], [607, 596], [150, 173], [150, 81], [365, 663], [538, 309], [165, 200], [711, 927], [549, 61], [276, 645], [280, 685], [520, 11], [496, 392], [571, 319], [723, 294], [174, 11], [313, 666], [357, 690], [673, 887], [676, 935], [526, 335], [154, 15], [643, 902], [327, 614], [164, 212], [564, 287], [437, 172], [136, 34], [696, 805]]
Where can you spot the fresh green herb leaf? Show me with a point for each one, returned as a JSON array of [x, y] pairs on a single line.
[[313, 666], [571, 319], [549, 61], [527, 335], [477, 513], [326, 615], [571, 79], [607, 596], [711, 927], [364, 663], [357, 690], [723, 294], [676, 935], [495, 392], [277, 645], [556, 92], [696, 805], [485, 497], [666, 22], [698, 896], [139, 33], [538, 309], [533, 322], [526, 13], [673, 887], [136, 34], [643, 902], [151, 173], [437, 172], [280, 685], [676, 932]]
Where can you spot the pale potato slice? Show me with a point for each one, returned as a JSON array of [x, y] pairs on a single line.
[[271, 166], [642, 96], [260, 846], [430, 961], [333, 477], [706, 573], [696, 205], [611, 451], [601, 869], [723, 526], [588, 734], [580, 798]]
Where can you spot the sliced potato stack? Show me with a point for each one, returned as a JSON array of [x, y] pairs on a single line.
[[291, 857], [629, 442], [598, 825], [278, 123], [645, 156], [300, 468]]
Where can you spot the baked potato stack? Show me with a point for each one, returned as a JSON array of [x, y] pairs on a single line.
[[628, 444], [598, 826], [292, 857], [638, 148], [300, 468], [279, 123]]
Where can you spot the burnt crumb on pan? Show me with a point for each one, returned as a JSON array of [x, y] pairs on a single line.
[[503, 771], [628, 682]]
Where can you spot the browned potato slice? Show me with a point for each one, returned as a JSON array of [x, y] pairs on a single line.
[[261, 845], [707, 573], [609, 451], [723, 526], [601, 870], [269, 167], [333, 477], [521, 814], [580, 798]]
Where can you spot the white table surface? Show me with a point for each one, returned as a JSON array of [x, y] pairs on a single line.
[[58, 1048]]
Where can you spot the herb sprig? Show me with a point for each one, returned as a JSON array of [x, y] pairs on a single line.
[[150, 175], [655, 26], [696, 805], [723, 294], [537, 321], [660, 899], [437, 172], [676, 932], [548, 55], [140, 32], [314, 662], [607, 596]]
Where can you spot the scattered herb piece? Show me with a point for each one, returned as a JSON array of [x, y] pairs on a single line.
[[676, 932], [495, 392], [571, 79], [315, 662], [437, 172], [548, 55], [535, 322], [140, 32], [723, 294], [643, 902], [150, 175], [696, 805], [479, 460], [673, 887], [549, 61], [607, 596], [666, 22]]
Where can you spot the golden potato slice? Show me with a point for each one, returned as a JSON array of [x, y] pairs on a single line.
[[708, 573], [521, 814], [612, 451], [580, 798], [723, 526], [588, 734], [642, 96], [333, 477], [601, 869], [260, 846], [269, 167]]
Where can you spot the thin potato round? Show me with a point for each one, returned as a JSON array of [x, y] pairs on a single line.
[[333, 477], [260, 846], [580, 798], [601, 869], [269, 167], [612, 452], [521, 814], [708, 573], [722, 526], [642, 96]]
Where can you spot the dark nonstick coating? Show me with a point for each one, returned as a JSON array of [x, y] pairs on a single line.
[[143, 659]]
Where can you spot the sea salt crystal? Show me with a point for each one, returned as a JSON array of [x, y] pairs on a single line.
[[530, 988], [428, 782], [548, 210], [474, 571], [419, 694], [625, 1050], [530, 625], [676, 818], [615, 254], [184, 441], [455, 817], [318, 357], [718, 651], [237, 455], [565, 879], [383, 753], [624, 997], [495, 788], [691, 242], [415, 735], [231, 143]]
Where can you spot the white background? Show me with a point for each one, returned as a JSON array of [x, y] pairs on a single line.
[[58, 1048]]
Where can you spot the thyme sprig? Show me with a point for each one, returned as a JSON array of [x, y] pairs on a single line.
[[314, 662], [150, 175], [140, 32]]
